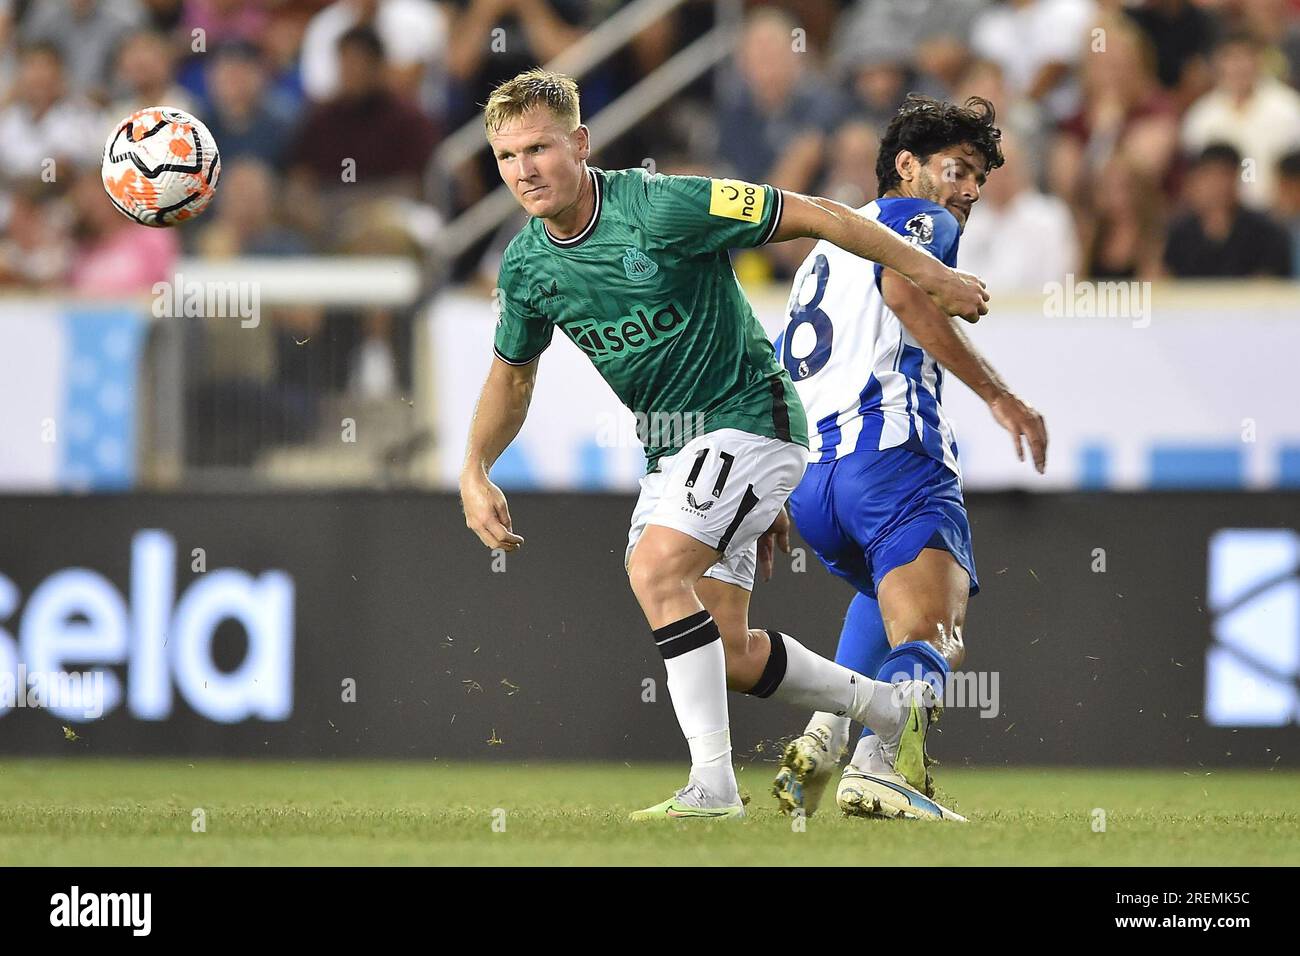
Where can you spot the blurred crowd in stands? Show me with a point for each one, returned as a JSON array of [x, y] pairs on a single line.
[[1143, 139]]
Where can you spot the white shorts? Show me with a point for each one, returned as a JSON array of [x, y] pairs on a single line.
[[723, 488]]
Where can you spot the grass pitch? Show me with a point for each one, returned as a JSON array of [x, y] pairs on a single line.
[[143, 812]]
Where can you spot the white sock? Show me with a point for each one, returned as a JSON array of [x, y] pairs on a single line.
[[711, 765], [870, 756], [831, 728], [813, 681], [697, 683]]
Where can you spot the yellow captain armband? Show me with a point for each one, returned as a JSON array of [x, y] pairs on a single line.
[[735, 199]]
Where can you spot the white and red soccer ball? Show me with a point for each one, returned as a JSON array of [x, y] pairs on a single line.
[[161, 166]]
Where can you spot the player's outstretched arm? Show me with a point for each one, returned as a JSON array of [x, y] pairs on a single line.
[[954, 292], [944, 339], [500, 413]]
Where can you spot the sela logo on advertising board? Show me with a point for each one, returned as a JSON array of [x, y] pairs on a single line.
[[1252, 669], [76, 616]]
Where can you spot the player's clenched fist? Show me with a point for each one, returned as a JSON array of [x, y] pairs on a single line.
[[958, 293], [486, 513], [982, 307]]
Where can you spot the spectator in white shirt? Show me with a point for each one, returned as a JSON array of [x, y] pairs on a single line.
[[1018, 238], [414, 34], [44, 123], [1038, 44], [1255, 113]]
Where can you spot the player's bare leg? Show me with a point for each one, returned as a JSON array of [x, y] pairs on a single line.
[[747, 648], [926, 601], [923, 604]]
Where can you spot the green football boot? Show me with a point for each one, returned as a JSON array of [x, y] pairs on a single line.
[[691, 803]]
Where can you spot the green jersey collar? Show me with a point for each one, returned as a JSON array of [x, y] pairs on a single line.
[[590, 227]]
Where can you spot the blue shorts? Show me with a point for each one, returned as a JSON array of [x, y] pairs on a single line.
[[872, 511]]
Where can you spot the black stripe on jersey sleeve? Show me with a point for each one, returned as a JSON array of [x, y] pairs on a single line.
[[509, 361], [776, 216]]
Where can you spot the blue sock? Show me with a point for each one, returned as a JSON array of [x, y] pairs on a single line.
[[915, 660], [863, 643]]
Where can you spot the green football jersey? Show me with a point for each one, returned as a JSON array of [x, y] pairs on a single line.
[[647, 291]]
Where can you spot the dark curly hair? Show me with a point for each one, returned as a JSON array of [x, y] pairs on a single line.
[[924, 126]]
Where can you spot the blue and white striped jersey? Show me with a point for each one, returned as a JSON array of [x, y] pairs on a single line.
[[864, 381]]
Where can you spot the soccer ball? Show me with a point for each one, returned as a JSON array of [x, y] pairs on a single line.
[[160, 166]]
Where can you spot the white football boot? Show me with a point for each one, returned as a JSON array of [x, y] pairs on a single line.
[[891, 776], [806, 767]]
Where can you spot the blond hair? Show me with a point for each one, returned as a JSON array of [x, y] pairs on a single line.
[[532, 88]]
